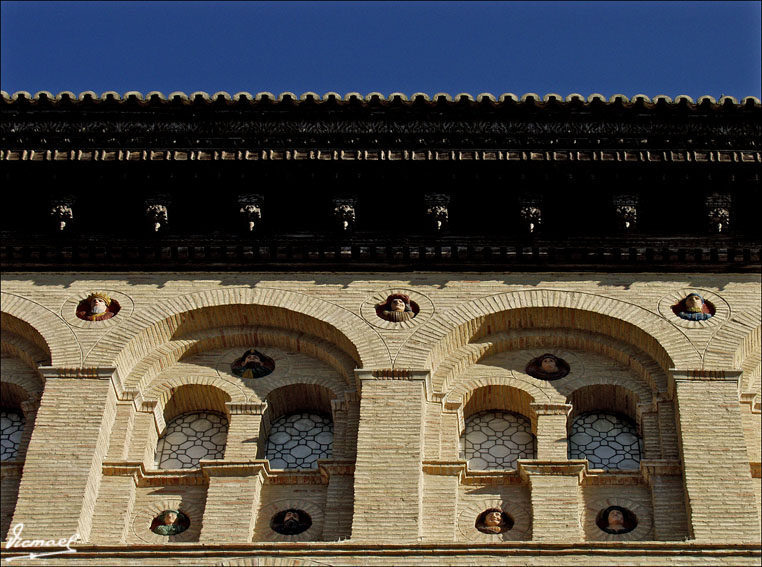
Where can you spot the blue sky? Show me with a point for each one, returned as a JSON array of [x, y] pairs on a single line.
[[651, 48]]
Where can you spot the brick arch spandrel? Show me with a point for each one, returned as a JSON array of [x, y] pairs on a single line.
[[645, 369], [642, 391], [743, 335], [167, 354], [462, 391], [146, 329], [162, 390], [429, 346], [17, 346], [41, 326], [18, 371]]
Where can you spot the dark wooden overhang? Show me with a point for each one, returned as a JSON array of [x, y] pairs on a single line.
[[575, 162]]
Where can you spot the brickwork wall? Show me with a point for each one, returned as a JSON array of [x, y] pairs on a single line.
[[440, 508], [62, 469], [636, 498], [669, 509], [389, 447], [709, 409], [472, 341]]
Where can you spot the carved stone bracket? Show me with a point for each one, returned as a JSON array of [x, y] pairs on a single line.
[[531, 212], [437, 210], [344, 212], [251, 209], [718, 212], [626, 208], [157, 212], [62, 212]]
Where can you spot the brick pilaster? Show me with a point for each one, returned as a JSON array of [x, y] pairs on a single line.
[[232, 500], [62, 469], [388, 477], [717, 476], [667, 499], [244, 426], [552, 444], [337, 523], [555, 488]]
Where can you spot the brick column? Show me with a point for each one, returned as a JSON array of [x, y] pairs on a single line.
[[449, 436], [62, 469], [121, 433], [648, 417], [441, 480], [232, 500], [244, 429], [552, 444], [235, 483], [337, 522], [716, 470], [116, 499], [145, 434], [388, 477], [555, 488], [664, 477]]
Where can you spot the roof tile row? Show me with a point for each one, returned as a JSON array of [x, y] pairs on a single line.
[[154, 97]]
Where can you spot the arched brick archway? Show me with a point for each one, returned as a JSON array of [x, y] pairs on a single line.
[[42, 327], [184, 315], [666, 344]]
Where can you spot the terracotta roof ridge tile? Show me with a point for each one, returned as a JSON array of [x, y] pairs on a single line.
[[154, 97]]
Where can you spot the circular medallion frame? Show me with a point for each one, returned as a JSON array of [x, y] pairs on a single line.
[[142, 520], [520, 531], [642, 530], [69, 309], [264, 532], [721, 308], [424, 303]]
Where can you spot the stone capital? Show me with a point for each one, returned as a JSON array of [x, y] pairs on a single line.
[[701, 375], [551, 409], [659, 467], [535, 467], [92, 373], [246, 408]]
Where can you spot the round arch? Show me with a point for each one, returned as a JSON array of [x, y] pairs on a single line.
[[167, 354], [42, 327], [645, 330], [182, 316]]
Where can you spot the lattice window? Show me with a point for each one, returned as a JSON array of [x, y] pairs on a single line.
[[298, 440], [11, 429], [191, 437], [606, 440], [495, 440]]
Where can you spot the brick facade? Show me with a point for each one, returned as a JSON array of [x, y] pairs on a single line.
[[100, 397]]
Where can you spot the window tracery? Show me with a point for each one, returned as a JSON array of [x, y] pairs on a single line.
[[11, 429], [191, 437], [298, 440], [495, 440], [607, 440]]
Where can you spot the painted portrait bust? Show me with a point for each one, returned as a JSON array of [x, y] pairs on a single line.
[[170, 522], [493, 521], [396, 308], [616, 520], [694, 308], [253, 364], [97, 307], [291, 522], [548, 367]]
